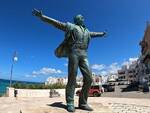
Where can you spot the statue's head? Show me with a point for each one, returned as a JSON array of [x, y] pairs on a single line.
[[79, 20]]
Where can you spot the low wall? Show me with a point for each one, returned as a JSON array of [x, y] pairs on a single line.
[[10, 92], [33, 92]]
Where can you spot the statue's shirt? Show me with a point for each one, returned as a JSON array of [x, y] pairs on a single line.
[[79, 38]]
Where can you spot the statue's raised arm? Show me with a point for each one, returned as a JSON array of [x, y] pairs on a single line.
[[56, 23], [97, 34]]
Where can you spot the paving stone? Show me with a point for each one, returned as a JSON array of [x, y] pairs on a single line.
[[129, 108]]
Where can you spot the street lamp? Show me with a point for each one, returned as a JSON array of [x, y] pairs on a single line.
[[14, 59]]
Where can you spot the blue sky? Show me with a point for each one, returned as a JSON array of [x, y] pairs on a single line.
[[35, 41]]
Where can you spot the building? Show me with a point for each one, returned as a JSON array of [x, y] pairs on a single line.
[[138, 70], [128, 74], [54, 80], [112, 78], [79, 81], [145, 47], [97, 79], [132, 74], [122, 73], [145, 55]]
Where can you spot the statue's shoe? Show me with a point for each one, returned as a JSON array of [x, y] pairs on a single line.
[[70, 108], [85, 107]]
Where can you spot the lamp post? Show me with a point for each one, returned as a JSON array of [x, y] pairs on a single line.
[[14, 59]]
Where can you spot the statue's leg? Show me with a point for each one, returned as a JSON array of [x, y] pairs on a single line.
[[87, 80], [72, 73], [148, 66]]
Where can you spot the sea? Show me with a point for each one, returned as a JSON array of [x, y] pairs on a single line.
[[5, 83]]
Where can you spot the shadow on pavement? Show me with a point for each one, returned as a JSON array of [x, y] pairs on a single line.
[[59, 105]]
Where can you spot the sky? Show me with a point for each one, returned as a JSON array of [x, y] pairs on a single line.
[[35, 41]]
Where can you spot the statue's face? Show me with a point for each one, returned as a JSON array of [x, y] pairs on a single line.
[[79, 20]]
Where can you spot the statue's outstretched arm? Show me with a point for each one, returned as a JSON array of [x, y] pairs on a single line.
[[97, 34], [56, 23]]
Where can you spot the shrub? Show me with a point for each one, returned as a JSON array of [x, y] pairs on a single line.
[[38, 86]]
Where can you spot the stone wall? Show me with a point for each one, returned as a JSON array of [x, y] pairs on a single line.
[[33, 92], [10, 92]]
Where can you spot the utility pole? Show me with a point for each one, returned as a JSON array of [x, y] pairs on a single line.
[[14, 59]]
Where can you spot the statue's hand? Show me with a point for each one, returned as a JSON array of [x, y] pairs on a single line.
[[37, 13], [105, 33]]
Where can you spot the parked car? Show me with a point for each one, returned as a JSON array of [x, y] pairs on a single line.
[[95, 90], [108, 88]]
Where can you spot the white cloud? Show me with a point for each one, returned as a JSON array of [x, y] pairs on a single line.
[[133, 59], [30, 76], [105, 70], [46, 71], [98, 67], [34, 76], [129, 61], [66, 64], [125, 63], [27, 75], [113, 68]]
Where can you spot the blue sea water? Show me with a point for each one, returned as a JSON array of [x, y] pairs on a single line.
[[5, 83]]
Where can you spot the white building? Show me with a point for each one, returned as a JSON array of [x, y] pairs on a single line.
[[62, 80], [112, 77], [53, 80], [79, 80], [97, 79]]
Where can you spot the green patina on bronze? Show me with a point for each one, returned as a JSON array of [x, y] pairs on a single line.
[[74, 46]]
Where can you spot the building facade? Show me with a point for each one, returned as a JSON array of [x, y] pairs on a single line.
[[122, 73], [54, 80], [128, 73], [97, 80], [145, 47], [145, 55]]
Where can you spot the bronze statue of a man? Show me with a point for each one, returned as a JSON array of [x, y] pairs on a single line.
[[74, 46]]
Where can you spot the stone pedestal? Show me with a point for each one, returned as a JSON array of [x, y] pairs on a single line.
[[10, 92]]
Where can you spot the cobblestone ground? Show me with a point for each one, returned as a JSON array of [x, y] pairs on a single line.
[[128, 94], [58, 104], [129, 108]]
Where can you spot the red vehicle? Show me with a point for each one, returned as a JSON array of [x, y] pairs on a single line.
[[95, 91]]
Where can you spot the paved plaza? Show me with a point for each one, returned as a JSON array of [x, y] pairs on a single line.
[[129, 108], [57, 105]]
